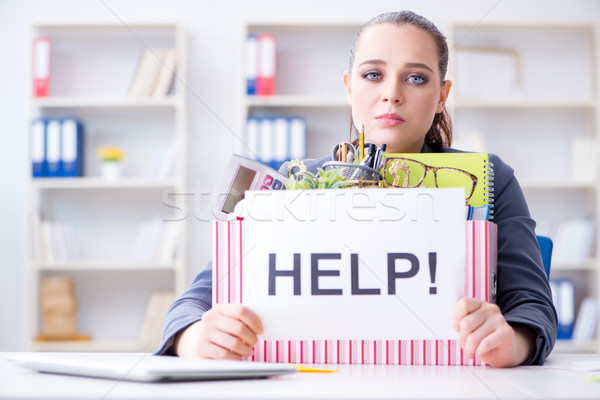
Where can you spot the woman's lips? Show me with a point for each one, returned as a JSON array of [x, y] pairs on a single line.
[[390, 119]]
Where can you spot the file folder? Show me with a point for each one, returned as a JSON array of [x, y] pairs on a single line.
[[38, 148], [53, 129], [71, 148]]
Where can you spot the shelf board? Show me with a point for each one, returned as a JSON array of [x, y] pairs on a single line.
[[588, 265], [100, 183], [103, 265], [570, 347], [296, 101], [520, 103], [104, 102], [554, 185], [129, 346]]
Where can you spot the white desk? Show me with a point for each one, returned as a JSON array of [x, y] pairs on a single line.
[[351, 382]]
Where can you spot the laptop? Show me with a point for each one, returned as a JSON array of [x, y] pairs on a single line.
[[145, 367]]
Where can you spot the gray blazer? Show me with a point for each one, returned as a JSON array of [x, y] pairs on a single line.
[[523, 292]]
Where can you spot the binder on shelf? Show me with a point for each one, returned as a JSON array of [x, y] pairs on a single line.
[[297, 138], [266, 141], [53, 162], [281, 141], [147, 72], [265, 82], [41, 66], [251, 64], [71, 148], [563, 296], [166, 74], [38, 148], [274, 140]]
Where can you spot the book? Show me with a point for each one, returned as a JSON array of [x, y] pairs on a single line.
[[574, 241], [473, 171], [166, 74], [41, 66], [587, 318], [147, 72]]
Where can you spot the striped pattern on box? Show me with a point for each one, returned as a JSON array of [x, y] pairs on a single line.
[[480, 278]]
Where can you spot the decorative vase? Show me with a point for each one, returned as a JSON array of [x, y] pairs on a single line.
[[110, 170]]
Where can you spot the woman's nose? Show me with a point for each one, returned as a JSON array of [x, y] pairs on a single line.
[[393, 93]]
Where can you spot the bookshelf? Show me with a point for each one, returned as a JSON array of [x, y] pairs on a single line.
[[92, 67], [533, 109], [543, 115]]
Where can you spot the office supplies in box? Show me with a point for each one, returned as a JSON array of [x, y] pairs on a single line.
[[367, 276]]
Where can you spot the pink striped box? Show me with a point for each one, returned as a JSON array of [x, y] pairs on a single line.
[[480, 282]]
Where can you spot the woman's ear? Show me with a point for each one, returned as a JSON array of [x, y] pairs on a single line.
[[444, 91], [346, 78]]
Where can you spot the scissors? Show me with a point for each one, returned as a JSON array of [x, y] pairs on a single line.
[[343, 152]]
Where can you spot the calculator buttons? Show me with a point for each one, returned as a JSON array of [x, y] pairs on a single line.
[[268, 180], [276, 185]]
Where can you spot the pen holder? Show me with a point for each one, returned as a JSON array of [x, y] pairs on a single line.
[[353, 172]]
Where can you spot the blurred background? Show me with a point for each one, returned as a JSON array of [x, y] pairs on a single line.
[[91, 255]]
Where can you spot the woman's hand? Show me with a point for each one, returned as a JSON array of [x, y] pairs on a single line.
[[484, 332], [226, 331]]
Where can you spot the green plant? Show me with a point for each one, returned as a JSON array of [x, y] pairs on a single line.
[[322, 180]]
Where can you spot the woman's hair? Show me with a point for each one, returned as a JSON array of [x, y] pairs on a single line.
[[440, 132]]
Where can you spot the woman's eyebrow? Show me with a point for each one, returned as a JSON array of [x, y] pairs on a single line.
[[410, 64]]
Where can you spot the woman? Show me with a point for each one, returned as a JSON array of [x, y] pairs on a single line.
[[397, 89]]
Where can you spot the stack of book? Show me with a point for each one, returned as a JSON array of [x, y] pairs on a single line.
[[155, 73]]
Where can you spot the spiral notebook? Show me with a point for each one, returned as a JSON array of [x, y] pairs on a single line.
[[473, 171]]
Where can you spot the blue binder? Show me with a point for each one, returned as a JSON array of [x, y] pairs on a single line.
[[38, 148], [71, 155], [53, 162]]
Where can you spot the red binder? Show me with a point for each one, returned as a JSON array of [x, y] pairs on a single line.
[[41, 66], [265, 82]]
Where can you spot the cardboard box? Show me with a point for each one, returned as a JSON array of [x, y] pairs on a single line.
[[364, 276]]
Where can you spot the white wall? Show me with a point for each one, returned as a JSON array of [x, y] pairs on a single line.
[[214, 40]]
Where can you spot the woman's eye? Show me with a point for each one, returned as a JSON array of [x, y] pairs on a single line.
[[417, 79], [372, 76]]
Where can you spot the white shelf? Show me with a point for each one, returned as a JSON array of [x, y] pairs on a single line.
[[296, 101], [104, 102], [589, 265], [462, 102], [109, 217], [102, 265], [99, 183], [570, 347]]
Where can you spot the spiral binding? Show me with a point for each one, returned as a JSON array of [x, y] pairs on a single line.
[[488, 186]]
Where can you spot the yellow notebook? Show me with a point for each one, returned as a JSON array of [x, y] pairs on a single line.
[[473, 171]]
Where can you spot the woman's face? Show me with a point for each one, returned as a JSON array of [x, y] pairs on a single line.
[[394, 87]]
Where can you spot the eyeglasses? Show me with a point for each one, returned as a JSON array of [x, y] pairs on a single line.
[[408, 173]]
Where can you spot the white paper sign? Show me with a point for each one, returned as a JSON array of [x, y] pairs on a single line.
[[369, 264]]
